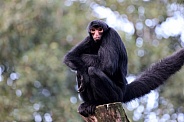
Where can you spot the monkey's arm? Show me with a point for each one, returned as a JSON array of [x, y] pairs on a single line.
[[107, 60], [90, 60], [155, 76], [73, 58]]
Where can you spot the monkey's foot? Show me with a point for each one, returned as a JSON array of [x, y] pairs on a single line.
[[86, 109]]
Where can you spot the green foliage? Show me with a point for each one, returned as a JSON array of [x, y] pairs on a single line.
[[33, 83]]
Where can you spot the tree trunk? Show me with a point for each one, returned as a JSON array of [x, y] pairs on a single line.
[[112, 112]]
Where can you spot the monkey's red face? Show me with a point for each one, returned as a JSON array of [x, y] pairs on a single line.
[[96, 33]]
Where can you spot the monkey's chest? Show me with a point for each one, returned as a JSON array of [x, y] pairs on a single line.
[[94, 50]]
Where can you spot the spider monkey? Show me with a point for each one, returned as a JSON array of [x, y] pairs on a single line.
[[101, 64]]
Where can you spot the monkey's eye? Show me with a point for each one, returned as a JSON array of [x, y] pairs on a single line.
[[92, 30], [100, 30]]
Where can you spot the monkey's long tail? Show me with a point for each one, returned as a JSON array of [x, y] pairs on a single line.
[[154, 76]]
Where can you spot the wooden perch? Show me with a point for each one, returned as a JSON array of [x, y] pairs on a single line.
[[112, 112]]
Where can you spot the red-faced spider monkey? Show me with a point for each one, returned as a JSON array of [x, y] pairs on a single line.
[[101, 64]]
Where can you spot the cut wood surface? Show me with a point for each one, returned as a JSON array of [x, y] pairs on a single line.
[[112, 112]]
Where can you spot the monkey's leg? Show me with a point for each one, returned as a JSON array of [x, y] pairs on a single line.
[[103, 91]]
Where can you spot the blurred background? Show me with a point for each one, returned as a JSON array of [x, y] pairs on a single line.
[[35, 86]]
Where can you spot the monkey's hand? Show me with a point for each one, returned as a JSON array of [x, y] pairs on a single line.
[[83, 80]]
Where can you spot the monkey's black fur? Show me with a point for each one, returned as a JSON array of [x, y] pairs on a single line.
[[102, 68]]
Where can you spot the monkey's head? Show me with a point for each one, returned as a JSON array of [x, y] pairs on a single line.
[[96, 29]]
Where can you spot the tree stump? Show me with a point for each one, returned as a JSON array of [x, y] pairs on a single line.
[[112, 112]]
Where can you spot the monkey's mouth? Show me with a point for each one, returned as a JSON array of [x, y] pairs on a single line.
[[97, 38]]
